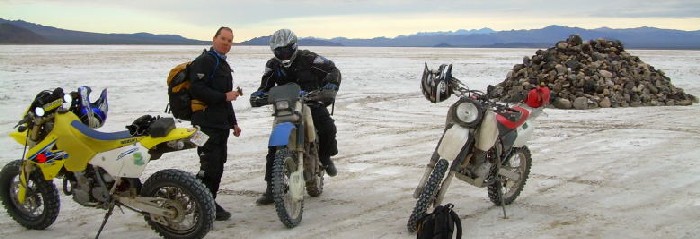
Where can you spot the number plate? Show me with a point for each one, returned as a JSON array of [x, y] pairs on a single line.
[[199, 138]]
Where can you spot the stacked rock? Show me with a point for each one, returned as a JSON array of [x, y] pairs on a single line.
[[593, 74]]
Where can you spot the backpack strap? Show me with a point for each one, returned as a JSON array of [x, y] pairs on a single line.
[[455, 219], [211, 76]]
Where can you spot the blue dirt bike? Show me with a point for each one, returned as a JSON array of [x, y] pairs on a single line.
[[296, 166]]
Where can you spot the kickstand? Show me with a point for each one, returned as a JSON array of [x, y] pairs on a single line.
[[499, 184], [104, 222]]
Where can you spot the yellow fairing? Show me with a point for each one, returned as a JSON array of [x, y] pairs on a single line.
[[80, 148]]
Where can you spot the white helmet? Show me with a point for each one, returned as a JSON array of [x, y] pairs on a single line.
[[283, 44]]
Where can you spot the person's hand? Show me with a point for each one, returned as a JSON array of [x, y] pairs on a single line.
[[236, 131], [330, 86], [232, 95]]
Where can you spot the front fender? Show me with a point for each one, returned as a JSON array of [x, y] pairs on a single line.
[[280, 134], [20, 137], [453, 140]]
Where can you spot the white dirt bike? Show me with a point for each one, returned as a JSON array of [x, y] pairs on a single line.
[[483, 144]]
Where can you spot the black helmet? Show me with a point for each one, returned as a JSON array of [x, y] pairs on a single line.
[[283, 44], [435, 85]]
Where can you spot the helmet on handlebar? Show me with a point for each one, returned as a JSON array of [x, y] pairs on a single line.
[[436, 85], [283, 44], [92, 114]]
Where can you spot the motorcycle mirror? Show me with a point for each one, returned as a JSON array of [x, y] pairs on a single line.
[[38, 111]]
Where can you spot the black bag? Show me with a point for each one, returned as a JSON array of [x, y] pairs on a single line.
[[439, 224]]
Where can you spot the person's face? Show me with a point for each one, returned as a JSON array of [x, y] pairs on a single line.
[[222, 43]]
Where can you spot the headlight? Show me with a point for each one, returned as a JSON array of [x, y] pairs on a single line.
[[467, 113], [281, 105], [39, 111]]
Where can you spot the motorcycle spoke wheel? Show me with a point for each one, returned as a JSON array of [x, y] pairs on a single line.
[[184, 195], [315, 187], [41, 205], [519, 162], [289, 210], [426, 198]]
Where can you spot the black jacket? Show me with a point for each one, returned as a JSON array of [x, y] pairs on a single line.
[[310, 70], [210, 86]]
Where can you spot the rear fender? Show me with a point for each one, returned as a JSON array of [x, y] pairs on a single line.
[[174, 134]]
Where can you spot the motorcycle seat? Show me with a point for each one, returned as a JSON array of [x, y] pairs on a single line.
[[89, 132], [513, 119]]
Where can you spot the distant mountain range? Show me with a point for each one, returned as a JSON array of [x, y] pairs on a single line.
[[636, 38], [21, 32]]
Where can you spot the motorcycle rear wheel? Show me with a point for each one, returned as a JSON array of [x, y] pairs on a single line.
[[520, 162], [185, 194], [315, 187], [427, 195], [288, 209], [42, 203]]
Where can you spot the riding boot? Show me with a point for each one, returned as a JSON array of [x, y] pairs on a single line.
[[266, 198], [221, 213], [330, 166]]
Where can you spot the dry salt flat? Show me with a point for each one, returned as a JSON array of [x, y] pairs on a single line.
[[601, 173]]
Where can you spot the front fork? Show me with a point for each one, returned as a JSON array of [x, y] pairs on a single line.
[[24, 171], [443, 186]]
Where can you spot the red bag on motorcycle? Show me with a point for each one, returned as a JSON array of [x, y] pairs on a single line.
[[537, 97]]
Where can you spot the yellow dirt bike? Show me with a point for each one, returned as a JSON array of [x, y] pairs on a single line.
[[101, 169]]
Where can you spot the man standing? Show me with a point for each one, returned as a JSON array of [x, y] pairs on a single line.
[[212, 92], [311, 72]]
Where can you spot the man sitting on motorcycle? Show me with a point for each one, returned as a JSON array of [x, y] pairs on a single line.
[[312, 72]]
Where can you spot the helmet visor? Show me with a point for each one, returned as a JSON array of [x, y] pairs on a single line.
[[285, 53]]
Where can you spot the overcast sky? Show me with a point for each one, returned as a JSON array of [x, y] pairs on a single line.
[[347, 18]]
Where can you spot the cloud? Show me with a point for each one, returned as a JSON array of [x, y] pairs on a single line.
[[333, 18]]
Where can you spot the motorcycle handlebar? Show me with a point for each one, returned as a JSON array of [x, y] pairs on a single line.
[[312, 96]]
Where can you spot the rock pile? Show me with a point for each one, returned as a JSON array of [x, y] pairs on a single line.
[[593, 74]]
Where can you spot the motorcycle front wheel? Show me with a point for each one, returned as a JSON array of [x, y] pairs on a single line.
[[518, 162], [184, 194], [284, 188], [42, 203], [427, 195]]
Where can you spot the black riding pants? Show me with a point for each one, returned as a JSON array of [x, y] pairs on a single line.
[[212, 157], [328, 145]]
